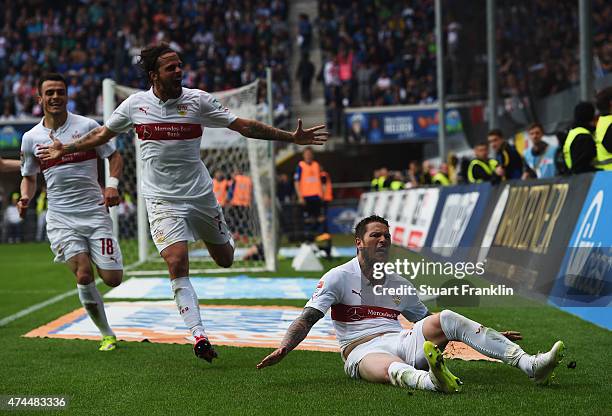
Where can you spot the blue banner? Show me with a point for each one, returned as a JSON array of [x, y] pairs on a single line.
[[398, 125], [340, 219], [10, 135], [457, 218], [584, 281]]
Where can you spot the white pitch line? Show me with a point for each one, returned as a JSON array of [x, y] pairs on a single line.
[[34, 308]]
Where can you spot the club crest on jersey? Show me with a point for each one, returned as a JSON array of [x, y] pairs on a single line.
[[397, 299], [317, 290], [159, 237], [76, 135], [182, 109]]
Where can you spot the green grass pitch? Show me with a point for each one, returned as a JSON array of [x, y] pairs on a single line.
[[145, 378]]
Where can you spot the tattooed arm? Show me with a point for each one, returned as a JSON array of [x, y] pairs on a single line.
[[94, 138], [295, 334], [257, 130]]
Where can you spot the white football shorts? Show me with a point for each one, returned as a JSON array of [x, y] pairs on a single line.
[[407, 345], [174, 221], [85, 232]]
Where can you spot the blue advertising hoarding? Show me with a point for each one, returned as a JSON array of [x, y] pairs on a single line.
[[398, 125], [584, 284]]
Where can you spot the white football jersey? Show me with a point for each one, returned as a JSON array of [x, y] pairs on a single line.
[[355, 311], [72, 181], [170, 134]]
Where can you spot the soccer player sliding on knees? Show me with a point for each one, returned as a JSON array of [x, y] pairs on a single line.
[[373, 344], [169, 120]]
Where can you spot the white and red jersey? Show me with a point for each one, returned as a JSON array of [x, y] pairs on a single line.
[[355, 315], [170, 134], [72, 181]]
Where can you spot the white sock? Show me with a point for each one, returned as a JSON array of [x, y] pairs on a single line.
[[404, 375], [484, 340], [93, 304], [525, 363], [188, 306]]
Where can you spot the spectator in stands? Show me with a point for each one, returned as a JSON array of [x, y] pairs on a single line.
[[13, 221], [441, 177], [305, 73], [509, 161], [579, 147], [305, 33], [603, 132], [216, 39], [415, 174], [284, 189], [482, 168], [540, 157]]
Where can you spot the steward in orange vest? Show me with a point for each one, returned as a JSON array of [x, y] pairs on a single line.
[[220, 186], [242, 191], [328, 195]]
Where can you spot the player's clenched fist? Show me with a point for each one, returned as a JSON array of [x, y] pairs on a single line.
[[273, 358], [111, 197], [22, 206]]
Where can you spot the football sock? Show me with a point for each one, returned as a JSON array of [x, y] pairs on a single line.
[[92, 302], [404, 375], [188, 306], [484, 340]]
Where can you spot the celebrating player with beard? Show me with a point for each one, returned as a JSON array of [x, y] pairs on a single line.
[[376, 348], [169, 120]]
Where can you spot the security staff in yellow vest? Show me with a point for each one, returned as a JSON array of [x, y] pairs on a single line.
[[441, 178], [482, 168], [603, 131], [396, 182], [383, 179], [41, 214], [579, 147]]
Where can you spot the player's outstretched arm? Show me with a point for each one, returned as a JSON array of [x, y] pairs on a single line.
[[295, 334], [91, 140], [9, 165], [257, 130], [27, 189]]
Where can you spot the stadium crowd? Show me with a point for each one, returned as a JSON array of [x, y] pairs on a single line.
[[585, 147], [90, 41], [384, 52]]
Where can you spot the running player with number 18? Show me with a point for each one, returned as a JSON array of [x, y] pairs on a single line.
[[78, 224]]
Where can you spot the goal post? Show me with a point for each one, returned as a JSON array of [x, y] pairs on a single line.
[[222, 150]]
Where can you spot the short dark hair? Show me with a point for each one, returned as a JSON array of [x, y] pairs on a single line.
[[51, 76], [149, 57], [535, 125], [495, 132], [361, 226], [584, 112], [602, 100], [478, 144]]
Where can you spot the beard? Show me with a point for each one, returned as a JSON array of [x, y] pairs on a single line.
[[172, 88]]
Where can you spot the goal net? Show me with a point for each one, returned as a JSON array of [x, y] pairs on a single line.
[[225, 153]]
